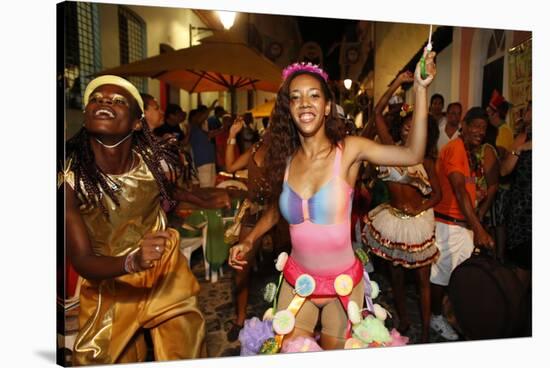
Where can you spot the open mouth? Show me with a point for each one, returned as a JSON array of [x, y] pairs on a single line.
[[477, 139], [306, 117], [104, 113]]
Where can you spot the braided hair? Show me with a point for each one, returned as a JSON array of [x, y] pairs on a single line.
[[90, 180]]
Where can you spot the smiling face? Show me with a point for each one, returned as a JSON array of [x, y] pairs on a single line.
[[308, 104], [454, 113], [474, 132], [108, 112]]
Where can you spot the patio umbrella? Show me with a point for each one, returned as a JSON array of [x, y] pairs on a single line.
[[263, 110], [218, 65]]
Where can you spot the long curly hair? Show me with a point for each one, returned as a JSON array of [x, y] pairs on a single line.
[[91, 181], [285, 140]]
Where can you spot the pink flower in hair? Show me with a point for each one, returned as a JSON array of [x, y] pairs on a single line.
[[309, 67]]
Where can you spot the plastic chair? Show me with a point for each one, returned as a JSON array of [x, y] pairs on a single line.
[[189, 244], [226, 184]]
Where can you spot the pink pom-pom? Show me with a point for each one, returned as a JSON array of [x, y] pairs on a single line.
[[397, 339], [309, 67], [300, 344]]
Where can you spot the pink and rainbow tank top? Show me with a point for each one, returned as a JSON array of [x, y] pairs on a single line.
[[320, 225]]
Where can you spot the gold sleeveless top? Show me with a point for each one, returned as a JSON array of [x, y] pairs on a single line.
[[138, 213]]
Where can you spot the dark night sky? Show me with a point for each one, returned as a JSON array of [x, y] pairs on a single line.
[[326, 32]]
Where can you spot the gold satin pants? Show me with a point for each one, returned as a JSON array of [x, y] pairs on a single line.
[[163, 299]]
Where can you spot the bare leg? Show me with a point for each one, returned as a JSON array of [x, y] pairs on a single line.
[[423, 281], [242, 283], [398, 285]]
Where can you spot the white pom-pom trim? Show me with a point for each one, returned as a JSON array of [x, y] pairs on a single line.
[[281, 261], [354, 314], [268, 315], [380, 312], [375, 289]]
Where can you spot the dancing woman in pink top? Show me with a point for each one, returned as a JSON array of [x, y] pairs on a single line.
[[312, 167]]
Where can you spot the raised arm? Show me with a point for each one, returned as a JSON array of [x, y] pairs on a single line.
[[412, 153], [202, 116], [381, 126], [232, 165]]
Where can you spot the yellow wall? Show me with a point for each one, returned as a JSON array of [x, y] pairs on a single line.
[[395, 44], [163, 25]]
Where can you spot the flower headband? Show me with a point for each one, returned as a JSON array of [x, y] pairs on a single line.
[[309, 67], [406, 109]]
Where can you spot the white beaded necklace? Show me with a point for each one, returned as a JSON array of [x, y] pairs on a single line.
[[116, 144]]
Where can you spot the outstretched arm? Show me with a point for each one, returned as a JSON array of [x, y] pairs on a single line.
[[511, 159], [203, 199], [237, 253]]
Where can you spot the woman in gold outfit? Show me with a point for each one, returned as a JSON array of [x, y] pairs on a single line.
[[134, 276]]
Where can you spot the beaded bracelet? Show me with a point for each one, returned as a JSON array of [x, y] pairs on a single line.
[[129, 264]]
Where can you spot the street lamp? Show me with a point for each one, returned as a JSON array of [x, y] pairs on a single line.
[[227, 18], [347, 83]]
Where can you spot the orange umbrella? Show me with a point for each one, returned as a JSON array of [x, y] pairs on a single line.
[[263, 110], [211, 66]]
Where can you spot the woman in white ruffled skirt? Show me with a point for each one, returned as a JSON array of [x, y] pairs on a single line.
[[403, 230]]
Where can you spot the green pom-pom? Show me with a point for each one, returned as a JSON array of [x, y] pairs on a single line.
[[362, 255], [269, 347], [270, 291], [371, 329]]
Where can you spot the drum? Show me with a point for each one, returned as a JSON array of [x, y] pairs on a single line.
[[489, 300]]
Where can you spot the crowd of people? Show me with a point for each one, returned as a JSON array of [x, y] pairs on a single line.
[[454, 182]]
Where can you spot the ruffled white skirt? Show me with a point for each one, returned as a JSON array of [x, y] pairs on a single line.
[[405, 241]]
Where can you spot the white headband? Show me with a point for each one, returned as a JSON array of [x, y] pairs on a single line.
[[117, 81]]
